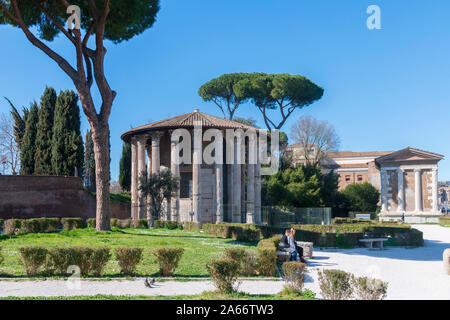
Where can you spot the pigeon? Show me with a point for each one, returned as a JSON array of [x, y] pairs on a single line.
[[147, 284], [153, 281]]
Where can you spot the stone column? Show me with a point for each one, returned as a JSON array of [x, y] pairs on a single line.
[[149, 172], [218, 170], [258, 216], [434, 189], [175, 168], [236, 167], [196, 167], [400, 191], [156, 136], [384, 206], [418, 189], [134, 181], [141, 168], [251, 218]]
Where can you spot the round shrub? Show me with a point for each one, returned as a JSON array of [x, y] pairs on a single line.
[[168, 259], [335, 284], [128, 259], [293, 274], [33, 258], [224, 273], [267, 262], [369, 289], [99, 259]]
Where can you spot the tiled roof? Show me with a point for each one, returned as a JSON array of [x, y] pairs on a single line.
[[352, 154], [187, 121]]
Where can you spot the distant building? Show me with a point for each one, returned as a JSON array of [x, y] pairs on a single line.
[[406, 179]]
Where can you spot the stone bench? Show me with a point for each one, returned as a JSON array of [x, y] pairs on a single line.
[[370, 242], [283, 256], [307, 248]]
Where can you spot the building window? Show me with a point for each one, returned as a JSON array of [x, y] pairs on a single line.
[[347, 178], [360, 178], [186, 185]]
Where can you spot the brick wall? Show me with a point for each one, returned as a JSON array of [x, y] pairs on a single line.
[[49, 196]]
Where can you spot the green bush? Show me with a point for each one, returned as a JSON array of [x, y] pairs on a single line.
[[335, 284], [1, 224], [171, 225], [60, 258], [92, 223], [122, 223], [224, 273], [30, 226], [33, 258], [49, 224], [361, 197], [1, 257], [191, 226], [168, 259], [369, 289], [72, 223], [237, 231], [293, 274], [141, 224], [267, 262], [99, 259], [246, 259], [128, 259], [12, 226], [271, 243]]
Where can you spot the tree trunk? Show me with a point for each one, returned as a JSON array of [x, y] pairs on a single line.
[[100, 138]]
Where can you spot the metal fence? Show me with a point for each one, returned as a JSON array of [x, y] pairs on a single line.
[[277, 217]]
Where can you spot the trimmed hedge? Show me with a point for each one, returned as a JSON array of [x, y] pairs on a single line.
[[1, 224], [171, 225], [36, 225], [445, 221], [238, 231], [347, 235], [72, 223], [191, 226]]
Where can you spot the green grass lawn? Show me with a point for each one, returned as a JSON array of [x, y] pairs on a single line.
[[199, 248]]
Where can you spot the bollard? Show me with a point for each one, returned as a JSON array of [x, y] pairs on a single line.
[[446, 261]]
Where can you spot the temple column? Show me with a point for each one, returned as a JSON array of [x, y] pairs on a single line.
[[384, 206], [418, 190], [251, 218], [156, 136], [175, 169], [400, 191], [434, 189], [196, 167], [149, 172], [258, 216], [218, 171], [236, 167], [141, 168], [134, 181]]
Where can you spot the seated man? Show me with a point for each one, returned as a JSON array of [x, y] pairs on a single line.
[[284, 242]]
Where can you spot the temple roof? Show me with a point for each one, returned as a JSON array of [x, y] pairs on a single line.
[[410, 154], [187, 121]]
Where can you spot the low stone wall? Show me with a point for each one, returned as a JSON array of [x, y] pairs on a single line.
[[25, 197]]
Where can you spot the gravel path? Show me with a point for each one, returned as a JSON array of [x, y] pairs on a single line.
[[49, 288]]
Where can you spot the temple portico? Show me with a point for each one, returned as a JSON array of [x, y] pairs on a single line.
[[208, 192], [409, 185]]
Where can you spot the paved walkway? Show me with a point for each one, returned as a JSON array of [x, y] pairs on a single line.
[[49, 288]]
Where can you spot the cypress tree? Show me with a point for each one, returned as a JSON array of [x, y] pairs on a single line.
[[43, 159], [67, 144], [89, 162], [125, 167], [19, 122], [28, 149]]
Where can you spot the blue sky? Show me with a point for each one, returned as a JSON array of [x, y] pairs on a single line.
[[384, 89]]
